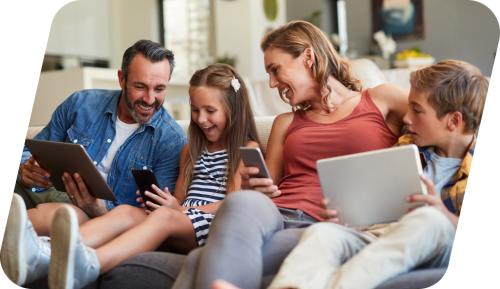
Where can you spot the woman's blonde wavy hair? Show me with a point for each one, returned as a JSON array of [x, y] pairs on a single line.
[[295, 37]]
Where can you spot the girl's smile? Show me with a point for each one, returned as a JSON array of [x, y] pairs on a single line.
[[208, 112]]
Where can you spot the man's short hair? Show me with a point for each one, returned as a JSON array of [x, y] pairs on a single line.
[[454, 85], [154, 52]]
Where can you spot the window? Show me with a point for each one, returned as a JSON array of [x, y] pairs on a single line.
[[186, 26]]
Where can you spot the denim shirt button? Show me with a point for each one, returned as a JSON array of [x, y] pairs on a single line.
[[144, 168], [109, 140], [33, 190], [95, 163], [75, 141]]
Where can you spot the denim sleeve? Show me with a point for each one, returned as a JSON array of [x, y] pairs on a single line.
[[56, 129], [166, 169]]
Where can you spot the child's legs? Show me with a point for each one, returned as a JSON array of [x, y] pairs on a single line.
[[422, 236], [101, 230], [322, 249], [161, 224], [41, 216]]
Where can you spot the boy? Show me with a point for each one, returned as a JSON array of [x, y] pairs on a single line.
[[445, 107]]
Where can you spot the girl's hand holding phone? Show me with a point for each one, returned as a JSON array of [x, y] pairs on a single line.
[[263, 185], [163, 198]]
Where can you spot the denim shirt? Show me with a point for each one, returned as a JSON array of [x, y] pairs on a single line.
[[88, 117]]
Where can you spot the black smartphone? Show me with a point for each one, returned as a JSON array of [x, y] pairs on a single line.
[[252, 157], [144, 179]]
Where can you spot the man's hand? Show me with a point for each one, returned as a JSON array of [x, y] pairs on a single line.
[[262, 185], [80, 196], [163, 198], [433, 199], [32, 175]]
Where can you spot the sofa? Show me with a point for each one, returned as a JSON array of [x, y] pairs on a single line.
[[160, 269]]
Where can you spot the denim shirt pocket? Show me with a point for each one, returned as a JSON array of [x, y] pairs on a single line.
[[78, 137], [139, 158]]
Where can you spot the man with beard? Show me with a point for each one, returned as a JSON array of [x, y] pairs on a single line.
[[120, 130]]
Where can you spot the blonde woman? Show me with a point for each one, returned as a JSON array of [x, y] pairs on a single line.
[[331, 116]]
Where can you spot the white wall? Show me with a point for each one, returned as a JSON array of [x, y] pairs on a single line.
[[131, 20], [81, 28], [239, 34], [103, 29]]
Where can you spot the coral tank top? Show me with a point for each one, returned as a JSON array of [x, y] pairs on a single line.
[[307, 141]]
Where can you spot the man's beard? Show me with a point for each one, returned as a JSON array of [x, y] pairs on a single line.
[[138, 117]]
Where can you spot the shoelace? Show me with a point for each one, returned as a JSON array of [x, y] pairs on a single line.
[[89, 254], [41, 242]]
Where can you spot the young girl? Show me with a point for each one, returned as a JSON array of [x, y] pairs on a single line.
[[221, 122]]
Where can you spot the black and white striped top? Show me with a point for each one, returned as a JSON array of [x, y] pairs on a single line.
[[208, 184]]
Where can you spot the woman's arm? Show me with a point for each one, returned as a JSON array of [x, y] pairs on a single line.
[[392, 102], [274, 160]]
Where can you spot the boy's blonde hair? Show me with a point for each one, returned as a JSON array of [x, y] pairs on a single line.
[[454, 85]]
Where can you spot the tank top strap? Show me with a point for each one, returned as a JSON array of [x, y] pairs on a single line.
[[365, 103]]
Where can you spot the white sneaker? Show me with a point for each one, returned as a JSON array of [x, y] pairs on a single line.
[[25, 257], [73, 265]]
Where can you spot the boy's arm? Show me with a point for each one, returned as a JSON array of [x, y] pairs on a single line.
[[433, 199]]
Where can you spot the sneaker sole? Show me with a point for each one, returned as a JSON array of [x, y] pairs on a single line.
[[11, 252], [63, 234]]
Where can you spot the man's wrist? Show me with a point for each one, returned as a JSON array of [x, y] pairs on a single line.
[[97, 209]]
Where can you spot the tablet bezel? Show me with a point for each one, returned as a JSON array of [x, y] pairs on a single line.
[[59, 157], [372, 187]]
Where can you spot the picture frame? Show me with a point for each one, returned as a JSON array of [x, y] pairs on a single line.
[[403, 19]]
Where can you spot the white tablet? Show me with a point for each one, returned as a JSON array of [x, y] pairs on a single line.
[[59, 157], [372, 187]]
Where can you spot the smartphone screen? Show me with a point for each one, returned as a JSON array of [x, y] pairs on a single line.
[[144, 179]]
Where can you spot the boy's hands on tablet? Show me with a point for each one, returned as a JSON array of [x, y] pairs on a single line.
[[163, 198], [32, 175], [329, 215], [433, 199], [262, 185], [80, 196]]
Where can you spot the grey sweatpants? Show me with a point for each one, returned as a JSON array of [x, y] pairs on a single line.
[[249, 239]]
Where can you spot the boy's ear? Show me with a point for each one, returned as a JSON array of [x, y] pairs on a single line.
[[455, 121]]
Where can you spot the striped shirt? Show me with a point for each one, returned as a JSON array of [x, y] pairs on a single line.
[[209, 184]]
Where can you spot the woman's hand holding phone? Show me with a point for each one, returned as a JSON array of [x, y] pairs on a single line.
[[263, 185], [254, 175]]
